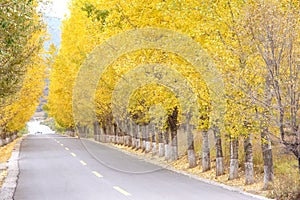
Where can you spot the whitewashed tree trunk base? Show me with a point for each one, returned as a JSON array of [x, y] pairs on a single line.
[[107, 139], [1, 142], [249, 175], [234, 169], [8, 140], [161, 149], [154, 151], [138, 143], [143, 144], [148, 146], [133, 143], [268, 177], [192, 158], [96, 137], [113, 139], [205, 152], [167, 152], [219, 166], [174, 153], [126, 140], [205, 161]]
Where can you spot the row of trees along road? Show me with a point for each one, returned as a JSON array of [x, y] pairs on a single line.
[[254, 45], [22, 68]]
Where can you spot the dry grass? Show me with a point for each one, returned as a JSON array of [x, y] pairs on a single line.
[[5, 151], [182, 164], [5, 154]]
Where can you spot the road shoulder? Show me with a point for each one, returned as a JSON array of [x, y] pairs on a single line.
[[10, 182]]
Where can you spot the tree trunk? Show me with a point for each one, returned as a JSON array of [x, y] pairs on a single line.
[[114, 138], [15, 135], [85, 131], [108, 132], [129, 134], [234, 159], [147, 139], [191, 149], [134, 135], [80, 131], [105, 135], [1, 137], [219, 152], [1, 142], [102, 136], [174, 145], [172, 122], [8, 139], [161, 145], [249, 171], [205, 152], [122, 132], [268, 158], [299, 163], [96, 131], [138, 138], [167, 145], [143, 131], [153, 139]]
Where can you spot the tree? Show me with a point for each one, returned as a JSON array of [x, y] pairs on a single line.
[[22, 68], [275, 32], [19, 22]]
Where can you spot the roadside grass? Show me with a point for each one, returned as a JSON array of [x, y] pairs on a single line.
[[287, 177]]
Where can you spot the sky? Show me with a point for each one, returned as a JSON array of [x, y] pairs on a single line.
[[58, 8]]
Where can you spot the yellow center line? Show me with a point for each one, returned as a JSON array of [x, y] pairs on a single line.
[[83, 163], [73, 154], [66, 148], [122, 191], [97, 174]]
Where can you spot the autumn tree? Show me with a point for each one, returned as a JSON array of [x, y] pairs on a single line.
[[22, 69], [96, 22], [274, 28], [19, 22]]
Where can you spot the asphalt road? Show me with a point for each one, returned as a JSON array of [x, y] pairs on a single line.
[[53, 167]]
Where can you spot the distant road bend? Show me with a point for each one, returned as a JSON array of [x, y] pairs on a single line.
[[53, 167]]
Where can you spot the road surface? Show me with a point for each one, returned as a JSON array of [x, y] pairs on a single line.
[[53, 167]]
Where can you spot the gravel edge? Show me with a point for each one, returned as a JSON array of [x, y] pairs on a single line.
[[169, 167], [10, 183]]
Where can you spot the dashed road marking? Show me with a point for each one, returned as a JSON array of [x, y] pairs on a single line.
[[57, 142], [62, 145], [82, 162], [73, 154], [97, 174], [66, 148], [122, 191]]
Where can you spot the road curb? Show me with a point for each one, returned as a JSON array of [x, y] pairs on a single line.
[[168, 167], [10, 183]]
